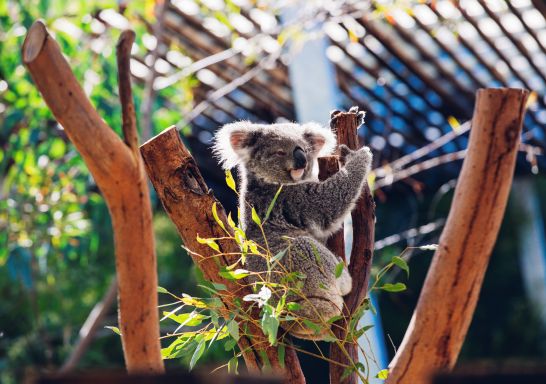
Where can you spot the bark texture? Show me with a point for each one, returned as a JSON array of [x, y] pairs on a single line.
[[450, 292], [188, 202], [345, 125], [119, 173]]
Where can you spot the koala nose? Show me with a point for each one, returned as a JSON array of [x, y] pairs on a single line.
[[300, 161]]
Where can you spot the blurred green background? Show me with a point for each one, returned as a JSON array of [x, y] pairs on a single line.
[[56, 246]]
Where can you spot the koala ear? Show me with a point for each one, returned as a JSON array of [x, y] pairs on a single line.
[[322, 140], [231, 143]]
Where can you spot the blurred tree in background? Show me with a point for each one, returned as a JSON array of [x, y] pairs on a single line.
[[56, 245]]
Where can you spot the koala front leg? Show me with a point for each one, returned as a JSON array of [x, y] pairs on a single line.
[[323, 205]]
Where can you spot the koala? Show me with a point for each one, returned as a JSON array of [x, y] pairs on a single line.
[[306, 212]]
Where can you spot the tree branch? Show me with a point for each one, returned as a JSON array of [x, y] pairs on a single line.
[[346, 125], [120, 177], [123, 53], [446, 305]]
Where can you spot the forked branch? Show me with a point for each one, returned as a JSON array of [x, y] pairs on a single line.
[[120, 176]]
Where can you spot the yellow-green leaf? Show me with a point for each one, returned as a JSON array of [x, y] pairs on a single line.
[[383, 374], [256, 218], [230, 181]]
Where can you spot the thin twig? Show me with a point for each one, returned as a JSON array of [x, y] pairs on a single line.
[[387, 169], [90, 327], [123, 51]]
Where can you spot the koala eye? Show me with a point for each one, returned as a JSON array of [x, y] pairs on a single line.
[[280, 152]]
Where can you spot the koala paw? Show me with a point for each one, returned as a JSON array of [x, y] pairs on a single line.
[[363, 154]]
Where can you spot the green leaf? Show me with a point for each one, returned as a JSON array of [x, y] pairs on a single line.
[[233, 329], [161, 290], [230, 344], [339, 269], [188, 300], [361, 331], [270, 326], [347, 372], [230, 221], [281, 352], [383, 374], [272, 204], [256, 218], [191, 319], [233, 363], [219, 286], [401, 263], [275, 259], [230, 181], [267, 364], [334, 319], [198, 353], [234, 275], [114, 329], [291, 306], [210, 242], [215, 215], [314, 327], [397, 287]]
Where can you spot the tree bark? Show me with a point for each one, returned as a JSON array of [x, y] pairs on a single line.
[[346, 124], [119, 173], [446, 305], [188, 202]]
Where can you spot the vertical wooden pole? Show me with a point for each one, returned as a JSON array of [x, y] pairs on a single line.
[[446, 305]]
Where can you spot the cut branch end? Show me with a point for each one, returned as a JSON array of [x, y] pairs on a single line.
[[34, 41]]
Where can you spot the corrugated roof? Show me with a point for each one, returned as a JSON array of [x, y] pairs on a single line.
[[414, 70]]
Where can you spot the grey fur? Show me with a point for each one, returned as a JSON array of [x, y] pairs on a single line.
[[307, 211]]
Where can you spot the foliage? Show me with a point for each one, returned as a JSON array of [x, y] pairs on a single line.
[[56, 247], [203, 321]]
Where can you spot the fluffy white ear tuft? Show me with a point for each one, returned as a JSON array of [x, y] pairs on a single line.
[[321, 139], [229, 143]]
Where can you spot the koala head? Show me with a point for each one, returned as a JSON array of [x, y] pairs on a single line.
[[276, 153]]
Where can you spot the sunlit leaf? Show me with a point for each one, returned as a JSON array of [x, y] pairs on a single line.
[[216, 218], [234, 275], [230, 181], [401, 263], [383, 374], [210, 242], [114, 329], [256, 218]]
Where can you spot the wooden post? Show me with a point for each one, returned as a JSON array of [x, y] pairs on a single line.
[[188, 202], [119, 173], [446, 305], [346, 124]]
